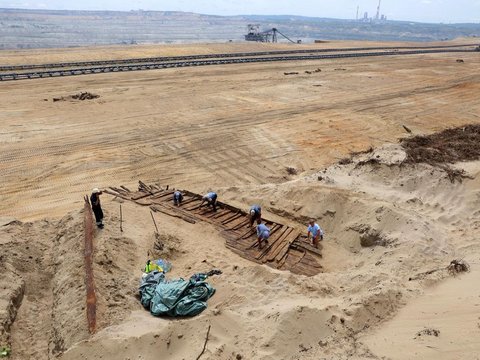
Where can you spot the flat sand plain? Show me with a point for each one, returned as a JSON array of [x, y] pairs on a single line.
[[214, 126], [236, 129]]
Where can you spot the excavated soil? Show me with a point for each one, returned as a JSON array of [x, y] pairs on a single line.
[[445, 147]]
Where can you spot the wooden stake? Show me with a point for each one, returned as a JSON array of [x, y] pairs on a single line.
[[121, 219], [154, 222], [205, 344]]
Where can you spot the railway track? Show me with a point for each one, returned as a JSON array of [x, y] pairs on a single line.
[[215, 56], [221, 61], [287, 248]]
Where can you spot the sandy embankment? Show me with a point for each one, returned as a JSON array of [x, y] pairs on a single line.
[[409, 220]]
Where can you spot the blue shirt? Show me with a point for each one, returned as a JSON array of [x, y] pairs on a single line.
[[177, 195], [315, 230], [211, 195], [256, 208], [263, 231]]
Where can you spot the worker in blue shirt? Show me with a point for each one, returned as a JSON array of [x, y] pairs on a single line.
[[263, 233], [255, 213], [177, 198], [316, 231], [211, 200]]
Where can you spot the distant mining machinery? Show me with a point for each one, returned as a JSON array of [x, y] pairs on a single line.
[[254, 34]]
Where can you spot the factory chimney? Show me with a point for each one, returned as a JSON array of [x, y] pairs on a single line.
[[377, 17]]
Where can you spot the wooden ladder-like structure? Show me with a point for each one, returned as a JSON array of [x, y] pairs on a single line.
[[287, 249]]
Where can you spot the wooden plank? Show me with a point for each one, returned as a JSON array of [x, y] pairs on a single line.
[[222, 217], [144, 202], [184, 218], [285, 249], [215, 214], [121, 191], [189, 201], [274, 245], [162, 194], [311, 260], [117, 194], [275, 228], [198, 205], [284, 231], [231, 218], [144, 195], [286, 259], [273, 254], [221, 213], [301, 258], [239, 221], [242, 224], [305, 246]]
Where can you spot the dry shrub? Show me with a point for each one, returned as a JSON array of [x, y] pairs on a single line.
[[292, 170], [458, 266], [427, 332], [445, 147]]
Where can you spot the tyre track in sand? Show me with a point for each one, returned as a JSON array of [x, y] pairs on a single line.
[[244, 136]]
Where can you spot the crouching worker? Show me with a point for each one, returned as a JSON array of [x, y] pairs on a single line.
[[316, 231], [210, 199], [96, 207], [255, 214], [263, 233], [177, 198]]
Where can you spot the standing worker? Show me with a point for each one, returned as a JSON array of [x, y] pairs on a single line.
[[316, 231], [96, 207], [255, 214], [263, 233], [211, 199], [177, 198]]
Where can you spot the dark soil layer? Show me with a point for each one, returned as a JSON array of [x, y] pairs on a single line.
[[446, 147]]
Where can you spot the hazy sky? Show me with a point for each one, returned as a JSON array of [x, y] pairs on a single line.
[[415, 10]]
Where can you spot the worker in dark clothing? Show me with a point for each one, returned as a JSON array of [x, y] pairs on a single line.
[[255, 214], [210, 199], [177, 198], [96, 207]]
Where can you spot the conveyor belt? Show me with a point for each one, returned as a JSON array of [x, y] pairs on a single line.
[[244, 60]]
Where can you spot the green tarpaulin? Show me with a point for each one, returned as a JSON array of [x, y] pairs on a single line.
[[177, 297]]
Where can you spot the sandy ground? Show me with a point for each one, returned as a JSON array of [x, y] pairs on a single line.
[[236, 129]]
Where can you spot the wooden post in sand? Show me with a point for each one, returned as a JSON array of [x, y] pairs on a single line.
[[154, 222], [89, 279], [121, 219]]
